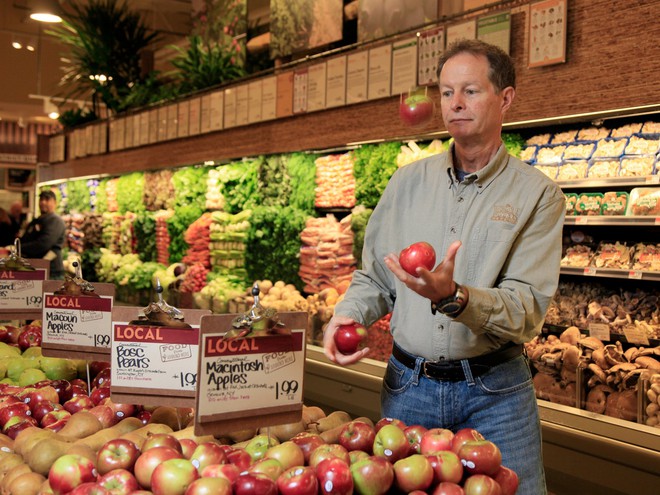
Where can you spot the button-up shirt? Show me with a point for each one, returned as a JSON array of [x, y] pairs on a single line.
[[509, 218]]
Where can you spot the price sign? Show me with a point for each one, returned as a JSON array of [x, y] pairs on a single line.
[[154, 364], [581, 220], [636, 335], [77, 327], [591, 271], [21, 290], [635, 274], [600, 331], [251, 380]]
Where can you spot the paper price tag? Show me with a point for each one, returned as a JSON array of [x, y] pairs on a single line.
[[636, 335], [591, 271], [653, 179], [82, 321], [600, 331], [635, 274], [581, 220], [21, 290]]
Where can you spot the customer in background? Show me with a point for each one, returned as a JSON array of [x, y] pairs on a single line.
[[458, 330], [7, 232], [18, 218], [44, 236]]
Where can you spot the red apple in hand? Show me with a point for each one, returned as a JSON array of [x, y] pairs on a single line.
[[480, 457], [348, 338], [419, 254], [416, 109]]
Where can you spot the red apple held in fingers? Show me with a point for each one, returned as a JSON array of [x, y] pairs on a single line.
[[481, 484], [205, 454], [372, 476], [69, 471], [507, 479], [413, 473], [446, 466], [391, 443], [464, 435], [119, 482], [78, 403], [228, 471], [98, 394], [298, 480], [105, 415], [239, 458], [209, 486], [307, 441], [90, 488], [349, 338], [435, 440], [188, 446], [334, 477], [254, 484], [173, 477], [328, 451], [416, 109], [448, 488], [389, 421], [480, 457], [419, 254], [357, 455], [414, 435], [119, 453], [357, 435], [288, 453], [147, 462], [270, 467], [161, 440]]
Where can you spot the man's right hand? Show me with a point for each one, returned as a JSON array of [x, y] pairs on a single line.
[[329, 347]]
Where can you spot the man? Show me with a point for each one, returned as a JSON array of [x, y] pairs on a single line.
[[458, 330], [44, 236], [18, 218]]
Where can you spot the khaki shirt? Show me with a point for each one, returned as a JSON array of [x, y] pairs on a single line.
[[509, 217]]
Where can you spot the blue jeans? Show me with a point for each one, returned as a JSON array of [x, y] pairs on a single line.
[[500, 404]]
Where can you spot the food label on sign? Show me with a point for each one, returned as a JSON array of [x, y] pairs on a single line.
[[159, 358], [250, 373], [21, 290], [77, 320]]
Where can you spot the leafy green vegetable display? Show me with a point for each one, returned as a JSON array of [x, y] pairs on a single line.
[[145, 236], [101, 197], [301, 168], [158, 190], [238, 184], [374, 164], [177, 225], [130, 188], [514, 143], [274, 181], [359, 218], [190, 187], [78, 196], [273, 245]]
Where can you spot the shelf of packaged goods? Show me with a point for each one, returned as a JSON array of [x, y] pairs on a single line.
[[629, 221], [591, 271], [587, 182]]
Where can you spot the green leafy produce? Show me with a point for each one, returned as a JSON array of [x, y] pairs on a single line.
[[274, 181], [374, 164], [301, 167], [107, 265], [177, 225], [514, 143], [101, 197], [273, 245], [190, 187], [130, 188], [359, 218], [145, 235], [238, 184], [78, 196]]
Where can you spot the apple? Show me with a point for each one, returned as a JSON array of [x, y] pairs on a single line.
[[446, 466], [270, 467], [17, 424], [389, 421], [436, 439], [288, 453], [54, 416], [69, 471], [81, 384], [119, 481], [98, 394], [307, 441], [118, 453], [448, 488], [481, 484], [356, 455], [418, 254], [9, 398], [40, 394], [105, 415], [78, 403], [90, 488], [161, 440], [416, 109], [4, 333], [372, 476], [227, 471], [63, 388], [349, 338], [13, 409], [254, 484], [121, 410], [13, 333], [102, 378], [298, 480], [239, 457], [327, 451], [413, 473], [391, 443], [414, 435], [209, 486], [188, 445], [40, 409], [507, 479], [144, 416], [480, 457], [30, 337], [147, 462], [259, 444], [357, 435], [464, 435], [205, 454], [334, 477], [173, 477]]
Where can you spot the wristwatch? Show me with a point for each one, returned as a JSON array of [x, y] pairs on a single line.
[[452, 305]]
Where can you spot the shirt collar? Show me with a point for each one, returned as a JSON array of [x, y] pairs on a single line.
[[482, 178]]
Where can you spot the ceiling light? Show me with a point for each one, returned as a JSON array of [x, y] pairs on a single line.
[[45, 11], [51, 109], [17, 45]]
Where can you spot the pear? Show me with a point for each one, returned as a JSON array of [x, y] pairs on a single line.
[[59, 369], [16, 366]]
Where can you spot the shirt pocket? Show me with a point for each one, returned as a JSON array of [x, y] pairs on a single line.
[[488, 251]]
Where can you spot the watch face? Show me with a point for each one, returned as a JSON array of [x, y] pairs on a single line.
[[450, 307]]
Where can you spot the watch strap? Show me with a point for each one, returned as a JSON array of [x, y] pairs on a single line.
[[453, 305]]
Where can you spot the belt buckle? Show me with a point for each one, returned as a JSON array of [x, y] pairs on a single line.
[[437, 364]]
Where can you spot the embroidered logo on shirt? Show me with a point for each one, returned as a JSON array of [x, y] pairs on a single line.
[[506, 213]]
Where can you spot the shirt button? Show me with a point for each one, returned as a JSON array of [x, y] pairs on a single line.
[[460, 200], [452, 230]]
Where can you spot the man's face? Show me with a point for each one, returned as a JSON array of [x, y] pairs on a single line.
[[472, 109], [46, 205]]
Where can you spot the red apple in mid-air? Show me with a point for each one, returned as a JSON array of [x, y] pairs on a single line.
[[373, 475], [480, 457], [413, 473], [173, 477], [416, 109], [298, 480], [507, 479], [446, 466], [436, 439], [419, 254], [349, 338], [357, 435], [69, 471], [119, 453], [391, 443], [334, 477], [481, 484]]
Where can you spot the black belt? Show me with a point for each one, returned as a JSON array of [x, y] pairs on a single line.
[[452, 371]]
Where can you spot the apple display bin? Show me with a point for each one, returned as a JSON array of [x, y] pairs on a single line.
[[584, 452]]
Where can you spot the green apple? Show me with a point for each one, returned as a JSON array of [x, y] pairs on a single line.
[[31, 376], [258, 446], [59, 369]]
